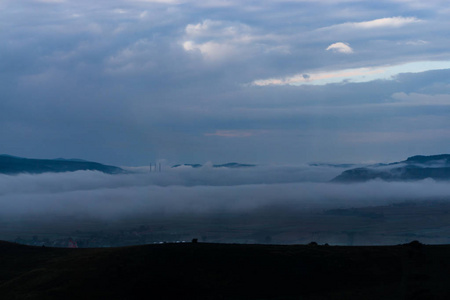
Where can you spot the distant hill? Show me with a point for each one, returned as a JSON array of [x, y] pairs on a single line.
[[343, 166], [414, 168], [227, 165], [15, 165], [187, 165]]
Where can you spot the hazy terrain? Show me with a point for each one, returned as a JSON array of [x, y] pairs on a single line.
[[261, 204], [15, 165], [414, 168]]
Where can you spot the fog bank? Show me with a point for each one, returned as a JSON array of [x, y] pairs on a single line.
[[199, 191]]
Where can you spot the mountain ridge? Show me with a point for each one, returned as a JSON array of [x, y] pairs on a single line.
[[226, 165], [416, 167], [13, 165]]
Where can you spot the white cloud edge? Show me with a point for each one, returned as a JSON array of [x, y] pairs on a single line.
[[392, 22], [365, 74], [340, 47]]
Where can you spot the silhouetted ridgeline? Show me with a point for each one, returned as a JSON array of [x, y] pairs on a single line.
[[414, 168], [15, 165], [227, 165]]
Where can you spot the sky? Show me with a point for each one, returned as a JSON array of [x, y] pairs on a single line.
[[127, 82]]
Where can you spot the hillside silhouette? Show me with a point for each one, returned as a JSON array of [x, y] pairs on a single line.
[[226, 271], [12, 165]]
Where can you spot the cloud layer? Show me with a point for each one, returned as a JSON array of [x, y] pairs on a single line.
[[128, 82]]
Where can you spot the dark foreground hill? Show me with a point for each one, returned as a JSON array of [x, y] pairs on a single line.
[[225, 271], [15, 165], [414, 168]]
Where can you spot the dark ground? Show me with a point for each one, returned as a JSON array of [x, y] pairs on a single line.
[[226, 271]]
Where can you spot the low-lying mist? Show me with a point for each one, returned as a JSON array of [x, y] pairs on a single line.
[[200, 193]]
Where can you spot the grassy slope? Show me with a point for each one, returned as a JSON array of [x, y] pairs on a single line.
[[225, 271]]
